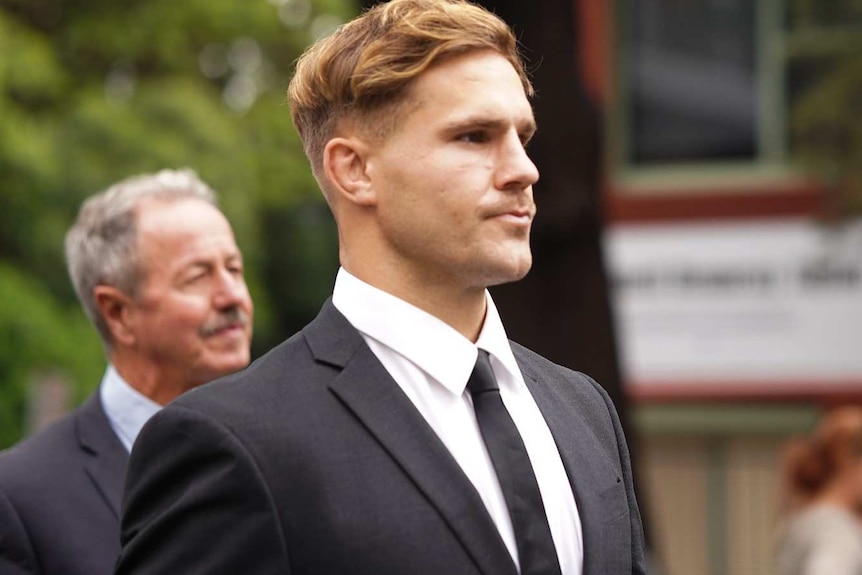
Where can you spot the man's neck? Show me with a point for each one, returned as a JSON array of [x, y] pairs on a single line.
[[144, 378], [461, 308]]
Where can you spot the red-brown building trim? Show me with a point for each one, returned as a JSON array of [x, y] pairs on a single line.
[[825, 393], [740, 201]]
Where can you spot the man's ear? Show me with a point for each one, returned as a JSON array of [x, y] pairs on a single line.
[[116, 309], [345, 164]]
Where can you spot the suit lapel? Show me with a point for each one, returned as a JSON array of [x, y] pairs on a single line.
[[369, 392], [588, 470], [105, 457]]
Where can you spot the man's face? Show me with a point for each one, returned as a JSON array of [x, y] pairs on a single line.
[[453, 182], [192, 316]]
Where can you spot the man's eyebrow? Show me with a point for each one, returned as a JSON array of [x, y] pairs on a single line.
[[475, 122], [527, 127], [196, 263], [210, 261]]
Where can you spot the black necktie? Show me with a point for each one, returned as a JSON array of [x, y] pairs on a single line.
[[536, 552]]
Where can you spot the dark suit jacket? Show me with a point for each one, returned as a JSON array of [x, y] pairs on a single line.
[[314, 462], [60, 497]]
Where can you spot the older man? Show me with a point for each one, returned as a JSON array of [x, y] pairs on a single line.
[[400, 432], [156, 268]]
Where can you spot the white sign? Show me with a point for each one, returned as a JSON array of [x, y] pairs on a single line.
[[762, 302]]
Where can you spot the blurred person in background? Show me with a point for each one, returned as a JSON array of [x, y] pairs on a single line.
[[157, 270], [822, 534]]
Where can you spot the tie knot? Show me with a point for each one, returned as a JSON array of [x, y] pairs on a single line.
[[482, 379]]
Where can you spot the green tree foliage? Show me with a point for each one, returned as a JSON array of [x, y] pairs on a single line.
[[824, 46], [93, 91], [38, 335]]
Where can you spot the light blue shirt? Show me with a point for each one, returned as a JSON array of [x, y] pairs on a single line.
[[127, 408]]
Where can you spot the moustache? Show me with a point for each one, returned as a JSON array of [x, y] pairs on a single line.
[[233, 317]]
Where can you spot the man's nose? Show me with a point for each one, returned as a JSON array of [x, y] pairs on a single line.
[[516, 170], [230, 290]]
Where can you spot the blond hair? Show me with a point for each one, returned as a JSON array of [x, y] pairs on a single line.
[[363, 71]]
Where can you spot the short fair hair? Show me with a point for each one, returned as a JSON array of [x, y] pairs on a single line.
[[101, 247], [363, 71]]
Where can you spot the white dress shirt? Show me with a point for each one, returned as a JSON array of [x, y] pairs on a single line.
[[432, 363], [127, 408]]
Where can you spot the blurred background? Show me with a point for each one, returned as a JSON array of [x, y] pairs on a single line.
[[698, 248]]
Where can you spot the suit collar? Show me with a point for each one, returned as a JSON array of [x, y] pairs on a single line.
[[589, 471], [421, 337], [331, 338], [368, 391], [106, 457]]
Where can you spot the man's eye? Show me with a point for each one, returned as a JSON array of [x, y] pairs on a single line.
[[474, 137]]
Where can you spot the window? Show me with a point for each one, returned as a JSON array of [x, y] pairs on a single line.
[[741, 84]]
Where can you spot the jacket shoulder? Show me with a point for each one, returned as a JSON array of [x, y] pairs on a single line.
[[286, 361], [540, 366], [40, 454]]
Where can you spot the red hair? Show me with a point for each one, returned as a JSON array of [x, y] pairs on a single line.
[[811, 463]]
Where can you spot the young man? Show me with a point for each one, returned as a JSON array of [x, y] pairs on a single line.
[[157, 270], [400, 432]]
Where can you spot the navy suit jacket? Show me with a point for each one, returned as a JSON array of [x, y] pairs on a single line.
[[60, 496], [313, 462]]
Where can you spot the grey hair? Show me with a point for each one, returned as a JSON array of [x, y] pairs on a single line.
[[101, 246]]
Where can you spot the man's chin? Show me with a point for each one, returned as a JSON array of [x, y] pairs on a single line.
[[228, 366], [510, 273]]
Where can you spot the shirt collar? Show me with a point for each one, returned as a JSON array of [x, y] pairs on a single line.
[[431, 344], [494, 340], [127, 408]]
